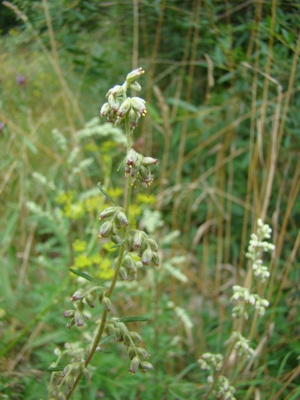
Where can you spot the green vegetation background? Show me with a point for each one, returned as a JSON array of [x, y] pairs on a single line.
[[222, 89]]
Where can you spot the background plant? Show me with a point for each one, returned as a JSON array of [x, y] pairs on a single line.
[[223, 82]]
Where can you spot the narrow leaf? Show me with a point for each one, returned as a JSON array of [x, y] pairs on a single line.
[[84, 275], [105, 194], [133, 319], [55, 369]]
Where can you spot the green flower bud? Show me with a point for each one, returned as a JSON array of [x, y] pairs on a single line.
[[123, 274], [152, 243], [142, 352], [69, 313], [79, 294], [104, 109], [61, 396], [145, 365], [132, 158], [119, 335], [131, 352], [106, 302], [109, 329], [114, 102], [138, 105], [116, 239], [121, 217], [124, 108], [145, 172], [70, 323], [138, 239], [135, 86], [134, 75], [108, 212], [117, 90], [90, 300], [147, 256], [135, 337], [147, 161], [106, 229], [79, 318], [135, 362], [134, 117], [155, 259]]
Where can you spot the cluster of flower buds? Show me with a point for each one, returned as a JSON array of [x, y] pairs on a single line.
[[118, 104], [131, 340], [128, 270], [241, 345], [146, 248], [76, 354], [241, 294], [139, 168], [257, 246], [223, 389], [80, 299], [211, 362], [116, 220]]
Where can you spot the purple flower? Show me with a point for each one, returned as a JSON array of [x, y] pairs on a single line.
[[21, 80]]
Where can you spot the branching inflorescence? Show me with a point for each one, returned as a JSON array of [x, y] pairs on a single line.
[[136, 249], [246, 303]]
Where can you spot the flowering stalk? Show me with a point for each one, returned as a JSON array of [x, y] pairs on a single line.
[[244, 299], [119, 109]]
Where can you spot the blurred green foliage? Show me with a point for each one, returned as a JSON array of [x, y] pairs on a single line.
[[228, 128]]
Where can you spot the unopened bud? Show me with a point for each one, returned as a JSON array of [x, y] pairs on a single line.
[[152, 243], [106, 229], [138, 239], [134, 117], [108, 212], [79, 294], [90, 300], [132, 158], [109, 329], [138, 104], [104, 109], [124, 107], [128, 262], [145, 365], [155, 259], [135, 362], [135, 86], [142, 352], [116, 239], [69, 313], [70, 323], [135, 337], [134, 75], [107, 303], [121, 216], [147, 256], [123, 274], [79, 318], [147, 161]]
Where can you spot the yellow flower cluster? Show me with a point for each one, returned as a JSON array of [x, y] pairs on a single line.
[[102, 265]]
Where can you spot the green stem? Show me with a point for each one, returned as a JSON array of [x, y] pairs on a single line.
[[102, 323]]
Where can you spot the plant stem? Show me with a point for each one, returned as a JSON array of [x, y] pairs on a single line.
[[101, 327]]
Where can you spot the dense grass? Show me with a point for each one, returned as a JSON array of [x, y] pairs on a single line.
[[223, 97]]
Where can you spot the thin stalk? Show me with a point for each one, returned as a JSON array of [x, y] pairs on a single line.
[[102, 323]]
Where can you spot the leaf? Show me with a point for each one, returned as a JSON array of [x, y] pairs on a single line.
[[133, 319], [83, 275], [55, 369], [105, 194]]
